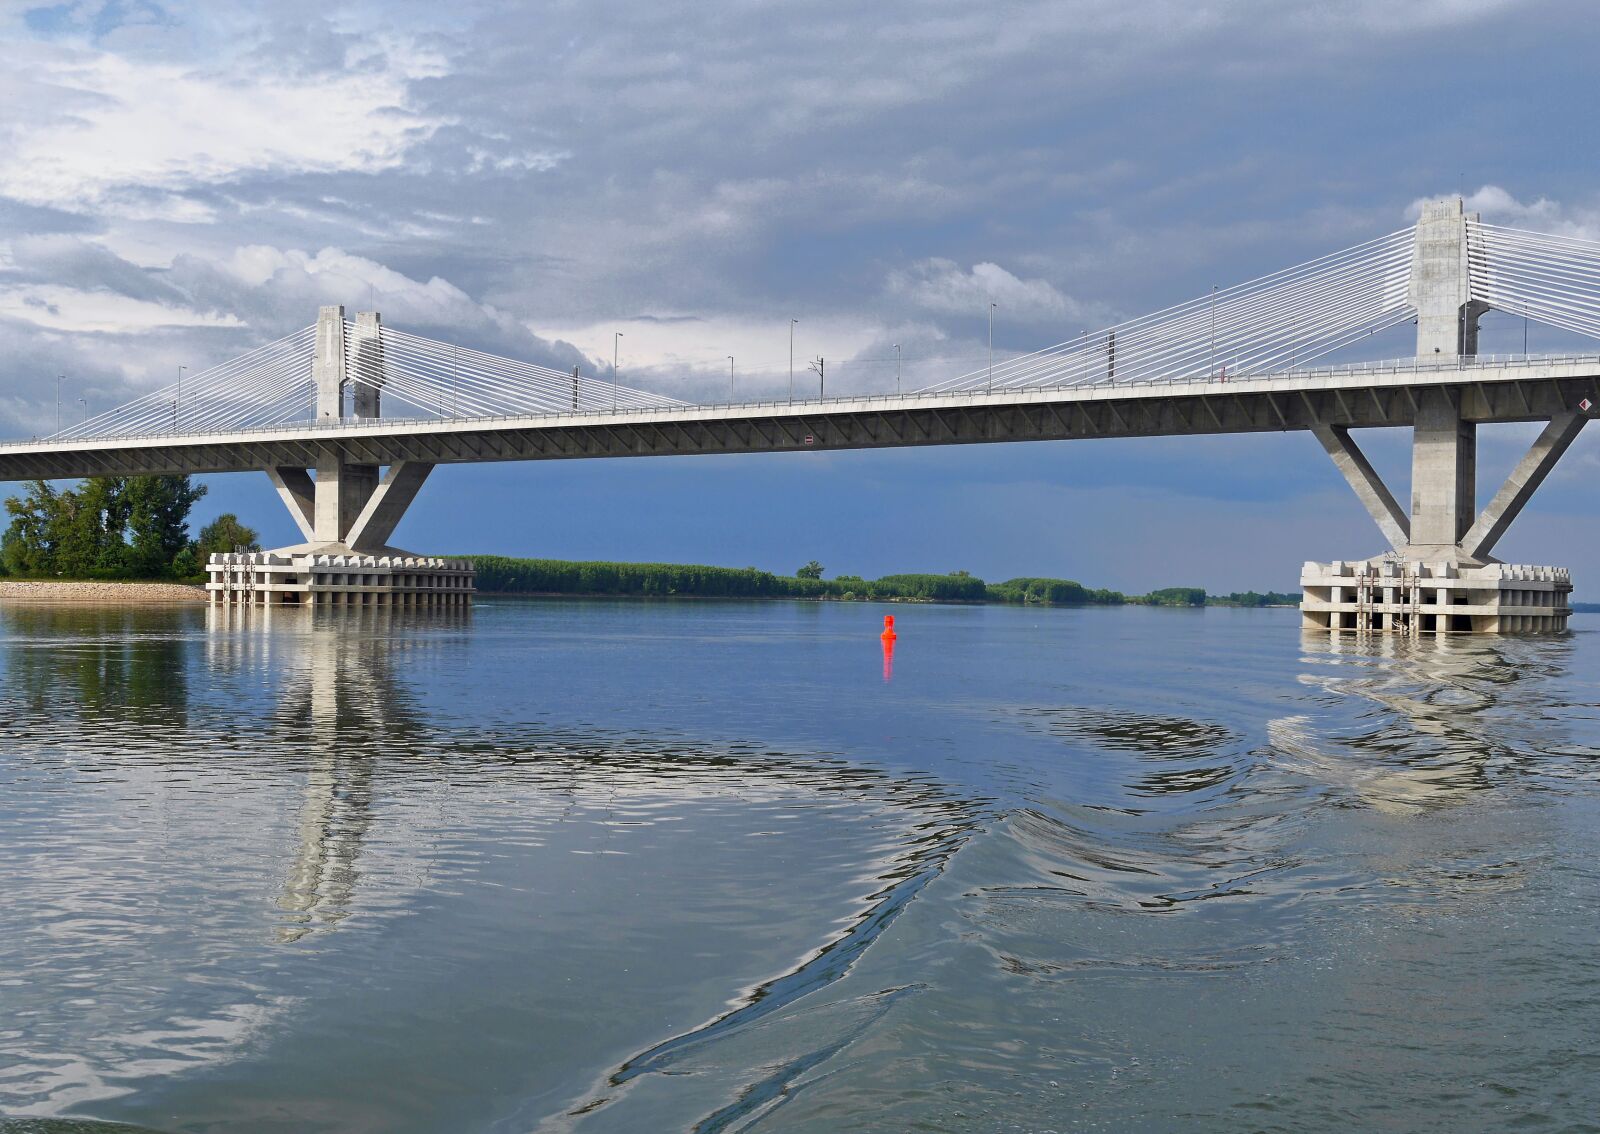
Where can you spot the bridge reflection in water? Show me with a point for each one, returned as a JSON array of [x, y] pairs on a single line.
[[401, 803], [1448, 719]]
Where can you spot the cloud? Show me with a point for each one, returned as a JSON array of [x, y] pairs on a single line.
[[944, 287], [1540, 214], [115, 328], [117, 134], [1498, 206], [99, 312], [536, 161], [280, 289]]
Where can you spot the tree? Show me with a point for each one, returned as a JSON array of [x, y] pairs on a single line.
[[158, 519], [77, 532], [29, 548], [105, 528], [223, 535], [812, 570], [89, 523]]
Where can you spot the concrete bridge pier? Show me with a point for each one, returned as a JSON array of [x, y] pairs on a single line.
[[346, 509], [1439, 575]]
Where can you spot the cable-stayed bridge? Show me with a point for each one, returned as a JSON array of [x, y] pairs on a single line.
[[348, 417]]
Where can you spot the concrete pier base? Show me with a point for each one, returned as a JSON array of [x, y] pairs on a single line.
[[293, 577], [1391, 595]]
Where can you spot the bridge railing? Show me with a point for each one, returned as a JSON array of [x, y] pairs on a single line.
[[1395, 367]]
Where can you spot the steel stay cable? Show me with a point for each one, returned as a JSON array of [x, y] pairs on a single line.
[[1194, 315], [1197, 310], [1179, 344]]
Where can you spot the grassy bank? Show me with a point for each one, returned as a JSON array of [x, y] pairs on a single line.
[[499, 574]]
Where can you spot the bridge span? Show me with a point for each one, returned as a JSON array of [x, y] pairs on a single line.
[[349, 418], [1391, 393]]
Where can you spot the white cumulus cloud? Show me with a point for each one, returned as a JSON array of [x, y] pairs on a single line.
[[1542, 214], [116, 134], [92, 311], [944, 287]]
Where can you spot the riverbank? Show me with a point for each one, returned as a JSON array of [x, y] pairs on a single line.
[[136, 594]]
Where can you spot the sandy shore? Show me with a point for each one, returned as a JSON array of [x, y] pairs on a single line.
[[136, 594]]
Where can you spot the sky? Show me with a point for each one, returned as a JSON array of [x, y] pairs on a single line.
[[181, 182]]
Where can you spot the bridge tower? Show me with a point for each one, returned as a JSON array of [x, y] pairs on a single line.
[[349, 508], [1439, 575]]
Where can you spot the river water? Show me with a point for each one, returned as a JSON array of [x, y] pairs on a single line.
[[628, 866]]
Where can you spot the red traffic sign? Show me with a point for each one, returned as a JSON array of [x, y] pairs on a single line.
[[810, 439], [1586, 405]]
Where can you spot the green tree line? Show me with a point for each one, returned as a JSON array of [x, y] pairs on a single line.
[[114, 528], [505, 575], [499, 574]]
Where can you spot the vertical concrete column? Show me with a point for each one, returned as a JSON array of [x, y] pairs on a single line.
[[328, 519], [366, 364], [1441, 287], [328, 365], [1444, 471], [342, 490]]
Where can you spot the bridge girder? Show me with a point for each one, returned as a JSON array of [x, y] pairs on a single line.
[[1243, 409]]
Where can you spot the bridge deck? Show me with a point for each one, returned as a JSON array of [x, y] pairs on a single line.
[[1487, 389]]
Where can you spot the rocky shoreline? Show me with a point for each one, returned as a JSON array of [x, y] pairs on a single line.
[[29, 590]]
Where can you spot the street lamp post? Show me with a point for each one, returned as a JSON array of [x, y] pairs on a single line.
[[616, 337], [792, 322], [1213, 364], [177, 402], [59, 378], [730, 379], [991, 348], [84, 402], [897, 368]]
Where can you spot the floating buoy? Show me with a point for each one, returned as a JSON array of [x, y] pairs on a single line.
[[888, 628]]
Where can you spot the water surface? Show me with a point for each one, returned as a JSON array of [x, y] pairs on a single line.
[[595, 866]]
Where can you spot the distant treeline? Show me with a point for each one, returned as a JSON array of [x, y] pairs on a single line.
[[499, 574], [1254, 598]]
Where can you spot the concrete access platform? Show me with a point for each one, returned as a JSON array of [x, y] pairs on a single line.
[[323, 578], [1391, 595]]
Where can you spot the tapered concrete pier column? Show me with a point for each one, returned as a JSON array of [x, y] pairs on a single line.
[[342, 491], [1444, 472]]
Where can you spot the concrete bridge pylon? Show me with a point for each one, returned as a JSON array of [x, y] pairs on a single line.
[[1439, 575], [346, 508]]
